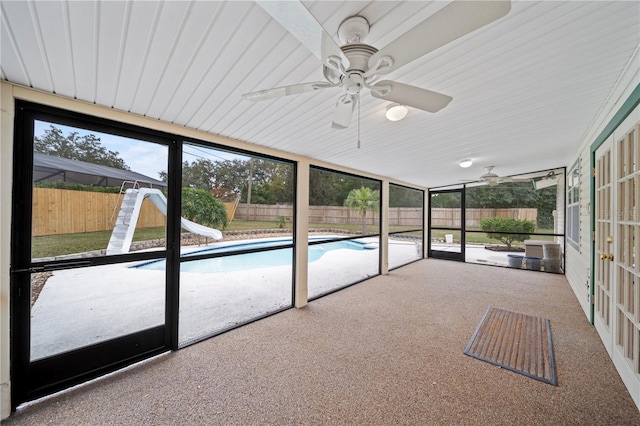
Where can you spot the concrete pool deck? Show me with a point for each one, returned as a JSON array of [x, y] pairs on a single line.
[[82, 306]]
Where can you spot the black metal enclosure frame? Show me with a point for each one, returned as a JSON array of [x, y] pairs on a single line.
[[32, 379], [463, 228]]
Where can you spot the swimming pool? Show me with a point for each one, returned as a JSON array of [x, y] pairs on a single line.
[[261, 259]]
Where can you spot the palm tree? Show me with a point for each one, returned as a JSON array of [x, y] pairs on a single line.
[[362, 200]]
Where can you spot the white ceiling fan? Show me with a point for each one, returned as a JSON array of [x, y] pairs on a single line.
[[493, 179], [355, 65]]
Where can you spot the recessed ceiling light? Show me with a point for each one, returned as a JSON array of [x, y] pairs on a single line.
[[396, 112], [466, 163]]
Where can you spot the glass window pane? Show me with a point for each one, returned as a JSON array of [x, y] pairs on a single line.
[[233, 202], [220, 293], [95, 193], [337, 264], [243, 196], [573, 209], [405, 248], [342, 206]]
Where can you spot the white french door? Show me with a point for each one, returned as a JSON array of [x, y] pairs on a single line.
[[617, 245]]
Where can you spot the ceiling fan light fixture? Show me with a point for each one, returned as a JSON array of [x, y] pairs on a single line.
[[466, 163], [396, 112]]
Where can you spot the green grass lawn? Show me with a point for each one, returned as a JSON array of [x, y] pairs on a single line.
[[56, 245], [482, 238]]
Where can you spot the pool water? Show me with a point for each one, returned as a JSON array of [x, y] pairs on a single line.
[[243, 262]]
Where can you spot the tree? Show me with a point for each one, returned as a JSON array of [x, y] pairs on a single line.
[[328, 188], [515, 195], [404, 197], [201, 207], [500, 229], [200, 174], [87, 148], [362, 200], [447, 200], [271, 181]]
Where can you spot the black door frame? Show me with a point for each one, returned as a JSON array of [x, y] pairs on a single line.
[[34, 379], [440, 254]]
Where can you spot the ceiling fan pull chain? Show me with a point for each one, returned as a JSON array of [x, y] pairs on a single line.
[[358, 120]]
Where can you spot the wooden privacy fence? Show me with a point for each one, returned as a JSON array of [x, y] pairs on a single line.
[[400, 216], [452, 217], [63, 211], [317, 214]]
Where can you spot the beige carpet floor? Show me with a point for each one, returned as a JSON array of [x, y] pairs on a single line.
[[386, 351]]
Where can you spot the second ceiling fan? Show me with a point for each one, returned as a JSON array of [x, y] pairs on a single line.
[[355, 66]]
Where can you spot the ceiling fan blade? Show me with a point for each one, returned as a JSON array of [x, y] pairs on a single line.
[[294, 89], [297, 19], [412, 96], [343, 112], [449, 23]]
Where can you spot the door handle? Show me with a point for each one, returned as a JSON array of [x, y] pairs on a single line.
[[606, 256]]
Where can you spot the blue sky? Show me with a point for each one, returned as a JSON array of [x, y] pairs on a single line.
[[141, 156]]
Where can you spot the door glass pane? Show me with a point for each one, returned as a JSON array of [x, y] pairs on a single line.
[[446, 240], [445, 210], [73, 308], [95, 193], [446, 224], [405, 225]]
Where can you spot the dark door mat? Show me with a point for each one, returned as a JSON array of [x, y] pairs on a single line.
[[517, 342]]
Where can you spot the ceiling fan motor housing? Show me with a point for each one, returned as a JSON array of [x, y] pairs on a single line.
[[358, 56]]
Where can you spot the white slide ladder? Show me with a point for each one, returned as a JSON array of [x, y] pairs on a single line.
[[125, 224]]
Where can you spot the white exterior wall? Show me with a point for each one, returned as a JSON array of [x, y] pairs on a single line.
[[578, 261], [6, 170]]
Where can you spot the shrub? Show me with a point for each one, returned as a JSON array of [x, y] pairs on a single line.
[[281, 222], [58, 184], [202, 207], [507, 230]]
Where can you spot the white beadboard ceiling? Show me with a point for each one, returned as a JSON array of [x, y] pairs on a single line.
[[525, 88]]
